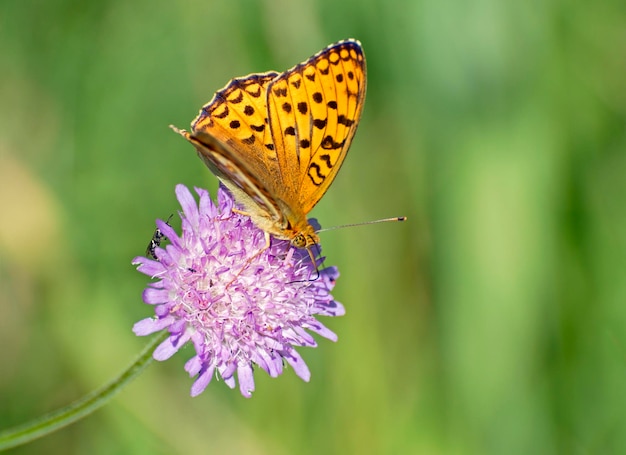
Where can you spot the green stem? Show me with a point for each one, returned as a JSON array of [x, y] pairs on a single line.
[[58, 419]]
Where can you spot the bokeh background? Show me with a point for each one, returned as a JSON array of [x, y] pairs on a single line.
[[492, 322]]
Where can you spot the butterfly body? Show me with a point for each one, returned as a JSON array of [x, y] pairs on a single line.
[[277, 140]]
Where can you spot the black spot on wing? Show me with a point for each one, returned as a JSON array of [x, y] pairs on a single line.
[[315, 174], [256, 93], [326, 159], [249, 140], [278, 91], [342, 119], [222, 114], [329, 143], [238, 98], [320, 123]]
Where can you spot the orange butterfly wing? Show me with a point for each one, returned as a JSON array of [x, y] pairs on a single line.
[[278, 140], [314, 110], [231, 134]]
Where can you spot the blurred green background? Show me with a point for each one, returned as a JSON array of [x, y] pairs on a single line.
[[492, 322]]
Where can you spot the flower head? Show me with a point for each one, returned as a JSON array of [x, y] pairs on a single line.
[[239, 302]]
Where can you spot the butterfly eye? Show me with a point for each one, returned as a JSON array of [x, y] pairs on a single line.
[[299, 241]]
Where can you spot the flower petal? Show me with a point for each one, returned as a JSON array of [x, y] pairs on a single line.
[[203, 381], [188, 204], [298, 365], [246, 380], [150, 325], [165, 350]]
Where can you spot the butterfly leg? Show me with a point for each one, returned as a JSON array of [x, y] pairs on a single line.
[[241, 212]]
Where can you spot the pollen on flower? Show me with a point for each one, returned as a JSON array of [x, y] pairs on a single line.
[[238, 303]]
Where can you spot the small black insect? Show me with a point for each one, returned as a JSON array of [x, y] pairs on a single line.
[[156, 240]]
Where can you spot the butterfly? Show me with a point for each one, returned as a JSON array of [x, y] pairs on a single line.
[[277, 140]]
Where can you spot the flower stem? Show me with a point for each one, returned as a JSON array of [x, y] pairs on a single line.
[[81, 408]]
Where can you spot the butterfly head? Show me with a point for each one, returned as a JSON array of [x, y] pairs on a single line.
[[304, 239], [301, 234], [308, 239]]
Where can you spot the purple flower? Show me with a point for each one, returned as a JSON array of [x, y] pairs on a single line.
[[237, 302]]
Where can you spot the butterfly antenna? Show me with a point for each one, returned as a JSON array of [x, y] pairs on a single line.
[[384, 220]]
